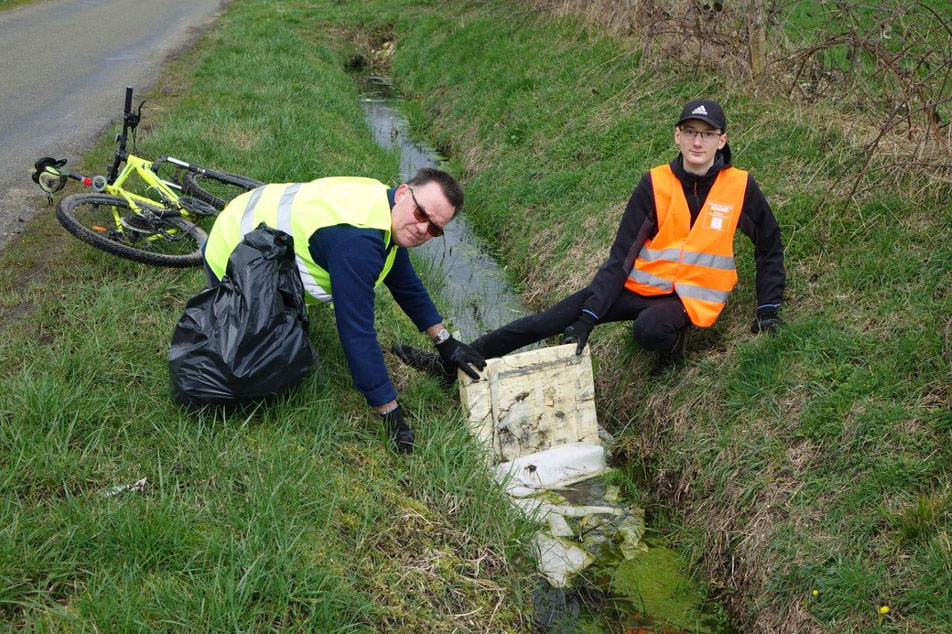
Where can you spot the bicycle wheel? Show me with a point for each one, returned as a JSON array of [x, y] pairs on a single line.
[[217, 188], [160, 237]]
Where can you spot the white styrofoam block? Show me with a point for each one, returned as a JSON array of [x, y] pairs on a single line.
[[552, 468], [531, 401]]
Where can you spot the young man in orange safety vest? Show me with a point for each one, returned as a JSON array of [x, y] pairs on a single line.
[[672, 262]]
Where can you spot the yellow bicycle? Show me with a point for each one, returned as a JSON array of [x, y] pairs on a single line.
[[159, 229]]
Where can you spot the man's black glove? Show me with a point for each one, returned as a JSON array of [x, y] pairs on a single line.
[[401, 436], [767, 321], [456, 354], [579, 331]]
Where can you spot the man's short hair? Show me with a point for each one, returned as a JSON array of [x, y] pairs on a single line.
[[448, 185]]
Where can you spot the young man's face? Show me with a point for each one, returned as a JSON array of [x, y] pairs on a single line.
[[406, 228], [698, 145]]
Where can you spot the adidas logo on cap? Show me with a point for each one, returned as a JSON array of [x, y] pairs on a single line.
[[699, 110]]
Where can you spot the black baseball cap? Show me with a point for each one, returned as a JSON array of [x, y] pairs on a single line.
[[704, 110]]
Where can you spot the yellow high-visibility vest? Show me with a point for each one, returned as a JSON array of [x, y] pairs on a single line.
[[300, 209]]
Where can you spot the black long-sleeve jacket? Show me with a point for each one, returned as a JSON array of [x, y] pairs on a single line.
[[640, 223]]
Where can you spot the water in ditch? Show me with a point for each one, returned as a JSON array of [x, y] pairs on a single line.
[[624, 592], [473, 284]]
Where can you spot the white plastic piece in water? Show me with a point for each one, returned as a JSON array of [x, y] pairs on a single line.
[[530, 506], [552, 468], [581, 511], [558, 560], [534, 508], [558, 527], [517, 491]]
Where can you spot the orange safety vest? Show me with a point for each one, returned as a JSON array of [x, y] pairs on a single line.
[[695, 262]]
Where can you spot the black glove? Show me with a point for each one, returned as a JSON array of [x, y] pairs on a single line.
[[456, 354], [401, 436], [579, 331], [767, 321]]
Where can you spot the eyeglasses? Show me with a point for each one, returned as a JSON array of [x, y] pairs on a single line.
[[420, 214], [706, 135]]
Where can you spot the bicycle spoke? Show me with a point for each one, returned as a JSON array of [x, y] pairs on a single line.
[[151, 235]]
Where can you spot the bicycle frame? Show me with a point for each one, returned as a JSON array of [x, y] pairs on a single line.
[[167, 197], [143, 168]]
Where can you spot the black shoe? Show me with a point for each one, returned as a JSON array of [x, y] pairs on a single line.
[[428, 362], [673, 357]]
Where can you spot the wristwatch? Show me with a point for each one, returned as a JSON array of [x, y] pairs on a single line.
[[442, 336]]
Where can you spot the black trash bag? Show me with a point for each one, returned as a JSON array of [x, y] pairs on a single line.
[[246, 338]]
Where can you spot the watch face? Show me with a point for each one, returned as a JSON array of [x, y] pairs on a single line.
[[442, 336]]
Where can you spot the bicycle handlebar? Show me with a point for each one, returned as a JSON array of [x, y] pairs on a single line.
[[129, 120]]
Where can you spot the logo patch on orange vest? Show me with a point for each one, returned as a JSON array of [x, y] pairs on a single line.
[[717, 215]]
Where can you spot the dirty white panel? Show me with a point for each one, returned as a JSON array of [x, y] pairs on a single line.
[[476, 400], [531, 401], [552, 468]]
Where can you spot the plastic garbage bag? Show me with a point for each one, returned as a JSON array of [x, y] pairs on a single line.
[[246, 338]]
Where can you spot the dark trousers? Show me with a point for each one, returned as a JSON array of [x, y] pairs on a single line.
[[657, 321]]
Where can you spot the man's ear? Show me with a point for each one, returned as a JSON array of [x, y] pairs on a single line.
[[402, 190]]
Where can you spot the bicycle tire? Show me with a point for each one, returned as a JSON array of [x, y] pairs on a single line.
[[217, 188], [77, 213]]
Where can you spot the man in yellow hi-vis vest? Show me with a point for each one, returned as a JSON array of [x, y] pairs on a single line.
[[351, 235], [672, 262]]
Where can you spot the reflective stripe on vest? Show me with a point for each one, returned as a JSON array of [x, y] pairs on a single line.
[[695, 262], [300, 209]]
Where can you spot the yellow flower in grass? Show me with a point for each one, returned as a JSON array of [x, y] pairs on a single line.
[[884, 609], [816, 592]]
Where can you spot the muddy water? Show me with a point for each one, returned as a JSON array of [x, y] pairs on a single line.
[[479, 299]]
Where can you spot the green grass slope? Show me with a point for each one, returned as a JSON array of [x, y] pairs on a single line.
[[293, 516], [816, 460]]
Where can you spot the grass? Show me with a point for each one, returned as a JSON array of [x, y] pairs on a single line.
[[290, 516], [9, 4]]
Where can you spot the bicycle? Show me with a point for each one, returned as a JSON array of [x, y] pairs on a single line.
[[161, 232]]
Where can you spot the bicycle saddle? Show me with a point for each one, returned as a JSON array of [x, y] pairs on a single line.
[[46, 174]]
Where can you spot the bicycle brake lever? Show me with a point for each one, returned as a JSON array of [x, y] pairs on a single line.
[[133, 118]]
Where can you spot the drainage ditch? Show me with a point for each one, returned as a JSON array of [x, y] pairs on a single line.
[[620, 591]]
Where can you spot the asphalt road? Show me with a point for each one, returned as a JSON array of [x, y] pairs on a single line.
[[65, 64]]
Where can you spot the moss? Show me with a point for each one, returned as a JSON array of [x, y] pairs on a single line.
[[656, 584]]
